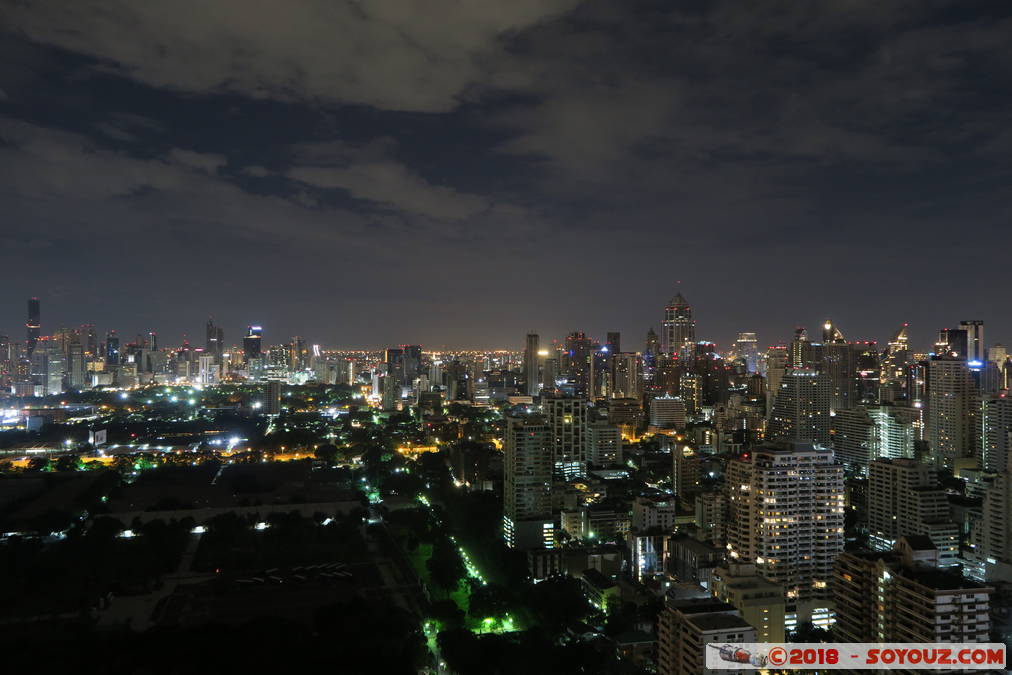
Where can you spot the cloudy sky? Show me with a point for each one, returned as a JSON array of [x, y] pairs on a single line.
[[460, 172]]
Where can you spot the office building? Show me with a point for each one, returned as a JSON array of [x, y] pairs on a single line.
[[214, 343], [801, 408], [627, 375], [252, 343], [76, 367], [975, 347], [112, 350], [48, 366], [532, 365], [527, 480], [678, 335], [33, 326], [747, 350]]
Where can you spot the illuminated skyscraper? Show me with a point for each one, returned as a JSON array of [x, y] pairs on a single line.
[[975, 348], [215, 343], [627, 378], [412, 362], [679, 329], [527, 482], [298, 358], [904, 498], [33, 325], [577, 364], [251, 344], [893, 369], [801, 408], [112, 354], [532, 371], [651, 354], [952, 411], [996, 433], [786, 515], [567, 420], [75, 366], [747, 349], [48, 366], [272, 398]]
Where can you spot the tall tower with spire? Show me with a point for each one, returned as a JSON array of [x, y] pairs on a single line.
[[679, 329]]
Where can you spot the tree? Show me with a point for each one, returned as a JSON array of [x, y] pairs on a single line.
[[327, 453], [68, 463], [36, 464], [445, 566], [488, 601]]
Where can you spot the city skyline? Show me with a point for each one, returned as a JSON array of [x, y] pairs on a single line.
[[923, 339]]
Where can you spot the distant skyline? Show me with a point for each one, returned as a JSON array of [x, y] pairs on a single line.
[[361, 174], [921, 337]]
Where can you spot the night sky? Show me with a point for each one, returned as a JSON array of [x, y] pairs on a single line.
[[459, 173]]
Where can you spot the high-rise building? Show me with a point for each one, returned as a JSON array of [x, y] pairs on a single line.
[[33, 325], [905, 499], [112, 353], [532, 365], [567, 420], [890, 597], [215, 341], [786, 511], [686, 629], [208, 371], [975, 346], [604, 443], [527, 482], [578, 365], [667, 412], [893, 370], [75, 366], [952, 343], [48, 367], [272, 398], [774, 365], [614, 342], [252, 343], [679, 329], [995, 432], [951, 411], [411, 362], [991, 537], [801, 407], [651, 353], [298, 359], [747, 349], [627, 375], [760, 602], [862, 434]]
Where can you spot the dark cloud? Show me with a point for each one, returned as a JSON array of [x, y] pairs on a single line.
[[460, 172]]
